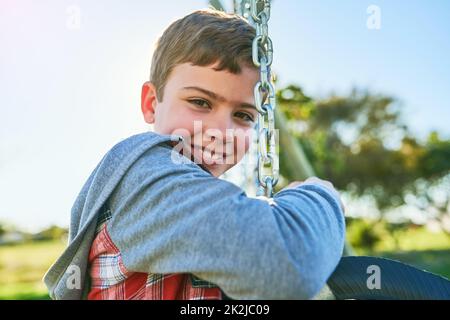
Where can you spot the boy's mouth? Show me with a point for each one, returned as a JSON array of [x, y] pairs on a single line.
[[208, 156]]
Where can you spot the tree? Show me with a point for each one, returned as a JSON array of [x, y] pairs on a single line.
[[2, 230], [360, 143], [52, 233]]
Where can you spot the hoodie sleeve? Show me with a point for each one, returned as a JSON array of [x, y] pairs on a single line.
[[169, 217]]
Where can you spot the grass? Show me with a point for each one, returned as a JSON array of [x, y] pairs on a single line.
[[417, 247], [22, 267], [419, 239]]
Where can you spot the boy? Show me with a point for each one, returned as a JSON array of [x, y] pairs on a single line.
[[153, 221]]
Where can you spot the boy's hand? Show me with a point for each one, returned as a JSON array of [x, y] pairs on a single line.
[[311, 180], [293, 185], [315, 180]]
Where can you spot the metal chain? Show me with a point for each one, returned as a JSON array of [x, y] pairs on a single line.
[[264, 92]]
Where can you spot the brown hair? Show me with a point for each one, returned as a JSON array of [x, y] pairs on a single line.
[[202, 38]]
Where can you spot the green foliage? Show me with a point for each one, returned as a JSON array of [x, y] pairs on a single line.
[[52, 233], [360, 143], [366, 234]]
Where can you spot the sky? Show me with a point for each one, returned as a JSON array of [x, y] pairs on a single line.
[[71, 74]]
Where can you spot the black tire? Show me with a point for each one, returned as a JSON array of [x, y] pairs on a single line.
[[398, 281]]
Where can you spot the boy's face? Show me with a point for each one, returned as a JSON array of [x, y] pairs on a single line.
[[213, 110]]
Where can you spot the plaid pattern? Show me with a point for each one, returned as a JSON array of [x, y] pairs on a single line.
[[110, 280]]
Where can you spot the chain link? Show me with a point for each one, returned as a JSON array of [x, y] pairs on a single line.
[[264, 92]]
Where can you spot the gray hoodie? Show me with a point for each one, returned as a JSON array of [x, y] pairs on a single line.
[[169, 215]]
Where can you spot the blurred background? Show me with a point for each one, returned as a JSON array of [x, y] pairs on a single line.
[[363, 89]]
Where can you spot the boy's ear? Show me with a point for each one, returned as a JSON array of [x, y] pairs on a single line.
[[148, 102]]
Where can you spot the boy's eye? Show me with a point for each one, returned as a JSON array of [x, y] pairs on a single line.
[[200, 102], [245, 116]]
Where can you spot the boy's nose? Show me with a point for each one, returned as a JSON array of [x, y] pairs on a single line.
[[220, 132], [222, 125]]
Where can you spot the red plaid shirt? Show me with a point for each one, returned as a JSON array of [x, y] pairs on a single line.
[[110, 280]]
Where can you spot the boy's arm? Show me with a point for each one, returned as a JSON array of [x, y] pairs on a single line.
[[176, 218]]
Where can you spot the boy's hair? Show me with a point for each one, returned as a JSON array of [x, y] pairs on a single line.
[[202, 38]]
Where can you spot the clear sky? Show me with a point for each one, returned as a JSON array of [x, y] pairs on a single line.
[[71, 73]]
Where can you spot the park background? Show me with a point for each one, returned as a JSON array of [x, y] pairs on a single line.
[[369, 105]]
